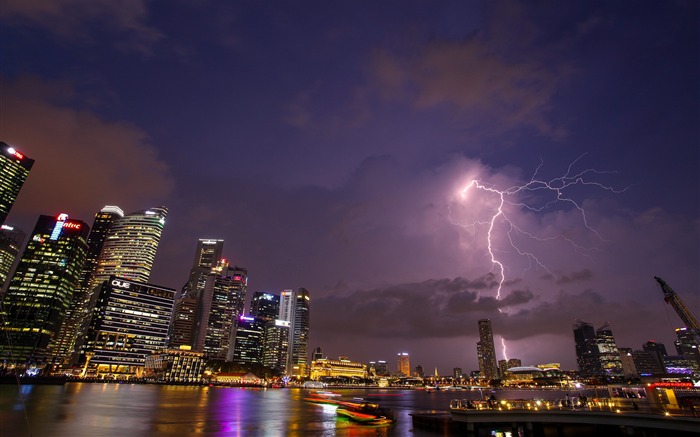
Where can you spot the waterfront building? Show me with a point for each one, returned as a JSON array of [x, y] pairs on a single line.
[[249, 340], [403, 362], [180, 365], [130, 321], [11, 240], [457, 374], [342, 367], [14, 169], [128, 249], [78, 316], [265, 305], [586, 349], [298, 344], [182, 325], [608, 355], [220, 303], [276, 345], [486, 351], [37, 300]]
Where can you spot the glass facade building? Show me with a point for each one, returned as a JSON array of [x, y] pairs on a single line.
[[37, 300], [486, 351], [14, 169]]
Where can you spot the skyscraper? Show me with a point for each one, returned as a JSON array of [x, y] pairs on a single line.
[[587, 354], [249, 340], [14, 169], [130, 321], [11, 240], [220, 303], [486, 351], [608, 354], [78, 315], [41, 290], [276, 345], [298, 356], [265, 305], [128, 251], [206, 256], [403, 363]]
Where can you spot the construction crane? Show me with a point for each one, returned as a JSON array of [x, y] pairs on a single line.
[[683, 312]]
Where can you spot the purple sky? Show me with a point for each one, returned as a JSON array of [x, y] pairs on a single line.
[[328, 144]]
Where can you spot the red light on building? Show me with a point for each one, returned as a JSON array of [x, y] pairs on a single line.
[[72, 225], [18, 155]]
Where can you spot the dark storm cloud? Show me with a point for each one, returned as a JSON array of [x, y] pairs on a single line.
[[583, 275], [435, 308]]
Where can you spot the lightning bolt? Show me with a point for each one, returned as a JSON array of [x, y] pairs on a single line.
[[524, 197]]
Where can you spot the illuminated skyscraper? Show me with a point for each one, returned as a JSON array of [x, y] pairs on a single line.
[[11, 240], [265, 305], [130, 321], [37, 300], [14, 169], [206, 257], [486, 351], [298, 355], [404, 364], [220, 303], [78, 315], [249, 340], [608, 354], [276, 348]]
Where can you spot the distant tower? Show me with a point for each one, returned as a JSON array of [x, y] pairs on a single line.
[[41, 290], [11, 240], [657, 350], [298, 355], [206, 257], [403, 362], [608, 354], [586, 349], [14, 169], [486, 351], [686, 346], [249, 340], [276, 345]]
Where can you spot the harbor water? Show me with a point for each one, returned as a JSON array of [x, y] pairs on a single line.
[[135, 410]]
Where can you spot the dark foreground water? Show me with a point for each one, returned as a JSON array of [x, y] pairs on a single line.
[[133, 410]]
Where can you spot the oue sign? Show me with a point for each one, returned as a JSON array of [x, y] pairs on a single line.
[[120, 284]]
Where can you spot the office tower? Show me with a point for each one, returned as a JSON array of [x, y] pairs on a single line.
[[586, 349], [486, 351], [249, 340], [457, 373], [14, 169], [206, 256], [657, 350], [382, 367], [628, 368], [298, 355], [130, 246], [646, 364], [276, 345], [286, 305], [317, 354], [265, 305], [608, 354], [686, 345], [403, 363], [220, 303], [11, 240], [418, 371], [130, 321], [41, 290], [183, 322], [78, 316]]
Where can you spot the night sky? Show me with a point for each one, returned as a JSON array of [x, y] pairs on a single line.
[[329, 143]]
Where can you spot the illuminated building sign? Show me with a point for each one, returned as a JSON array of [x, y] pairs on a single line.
[[247, 319], [60, 221], [15, 153], [121, 284], [671, 384], [7, 228], [72, 225]]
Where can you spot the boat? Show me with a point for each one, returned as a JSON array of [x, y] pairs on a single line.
[[364, 418]]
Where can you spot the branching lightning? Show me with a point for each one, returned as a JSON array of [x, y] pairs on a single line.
[[522, 197]]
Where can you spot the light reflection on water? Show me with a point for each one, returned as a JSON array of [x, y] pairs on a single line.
[[125, 410]]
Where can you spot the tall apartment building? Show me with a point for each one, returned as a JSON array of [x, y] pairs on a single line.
[[37, 300], [14, 169], [486, 351]]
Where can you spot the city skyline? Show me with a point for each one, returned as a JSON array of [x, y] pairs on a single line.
[[329, 145]]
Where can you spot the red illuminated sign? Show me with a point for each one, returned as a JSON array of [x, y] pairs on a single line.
[[671, 384], [72, 225], [18, 155]]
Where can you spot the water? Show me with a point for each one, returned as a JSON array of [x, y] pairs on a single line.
[[134, 410]]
